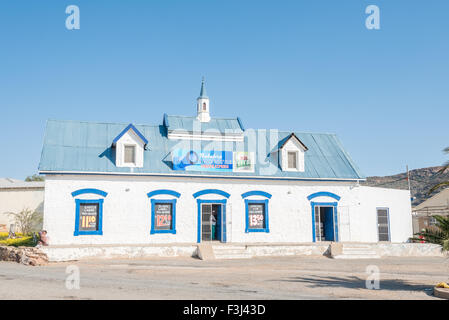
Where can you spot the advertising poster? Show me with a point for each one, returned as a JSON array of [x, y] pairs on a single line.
[[163, 216], [219, 161], [88, 216]]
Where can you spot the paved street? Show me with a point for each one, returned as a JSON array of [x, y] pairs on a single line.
[[259, 278]]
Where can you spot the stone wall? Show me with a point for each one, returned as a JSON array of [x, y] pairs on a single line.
[[29, 256]]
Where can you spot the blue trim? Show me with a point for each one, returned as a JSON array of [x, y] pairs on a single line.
[[223, 210], [79, 232], [211, 191], [130, 126], [94, 191], [163, 191], [173, 229], [324, 194], [240, 123], [335, 216], [256, 193], [247, 228]]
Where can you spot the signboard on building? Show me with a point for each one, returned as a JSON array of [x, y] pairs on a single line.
[[163, 216], [220, 161], [256, 215], [88, 217]]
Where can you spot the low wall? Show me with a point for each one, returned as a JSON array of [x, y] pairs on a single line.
[[58, 254], [69, 253], [408, 249]]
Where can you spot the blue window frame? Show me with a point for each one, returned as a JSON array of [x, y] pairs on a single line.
[[249, 215], [154, 228], [98, 217]]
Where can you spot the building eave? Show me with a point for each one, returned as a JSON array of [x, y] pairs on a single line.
[[200, 176]]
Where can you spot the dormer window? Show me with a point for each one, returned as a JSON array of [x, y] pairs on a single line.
[[129, 147], [130, 154], [291, 154]]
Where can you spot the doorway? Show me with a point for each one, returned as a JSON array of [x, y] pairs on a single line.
[[325, 228], [383, 224], [212, 222]]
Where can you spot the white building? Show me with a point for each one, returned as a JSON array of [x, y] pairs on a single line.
[[197, 179], [17, 195]]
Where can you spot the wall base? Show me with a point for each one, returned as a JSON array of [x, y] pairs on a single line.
[[238, 251]]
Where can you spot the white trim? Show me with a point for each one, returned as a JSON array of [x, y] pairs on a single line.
[[198, 176], [191, 136]]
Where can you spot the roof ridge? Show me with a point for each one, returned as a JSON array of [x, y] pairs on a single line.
[[181, 116], [304, 132], [103, 122]]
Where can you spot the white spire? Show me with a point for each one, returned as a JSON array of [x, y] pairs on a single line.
[[203, 105]]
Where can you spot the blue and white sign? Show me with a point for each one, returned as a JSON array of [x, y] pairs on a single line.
[[194, 160]]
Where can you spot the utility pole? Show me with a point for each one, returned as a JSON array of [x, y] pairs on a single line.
[[409, 185], [408, 179]]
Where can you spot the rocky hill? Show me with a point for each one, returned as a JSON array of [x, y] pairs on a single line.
[[421, 180]]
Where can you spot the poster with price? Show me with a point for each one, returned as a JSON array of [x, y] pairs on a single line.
[[256, 215], [89, 216], [163, 216]]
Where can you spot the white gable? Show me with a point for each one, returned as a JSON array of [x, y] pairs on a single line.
[[292, 145], [130, 138]]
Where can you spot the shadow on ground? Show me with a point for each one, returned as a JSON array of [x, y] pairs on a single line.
[[353, 282]]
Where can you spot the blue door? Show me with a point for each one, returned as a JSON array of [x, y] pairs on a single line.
[[217, 212], [329, 233]]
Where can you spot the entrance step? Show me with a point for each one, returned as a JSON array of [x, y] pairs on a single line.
[[205, 252], [231, 252], [353, 251]]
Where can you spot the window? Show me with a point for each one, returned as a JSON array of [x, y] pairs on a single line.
[[163, 216], [256, 215], [130, 154], [433, 222], [292, 160], [204, 106], [88, 217]]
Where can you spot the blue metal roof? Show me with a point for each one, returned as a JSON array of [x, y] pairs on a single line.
[[186, 123], [76, 146]]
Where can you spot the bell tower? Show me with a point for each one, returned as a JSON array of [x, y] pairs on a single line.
[[203, 105]]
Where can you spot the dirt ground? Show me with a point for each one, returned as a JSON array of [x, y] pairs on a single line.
[[258, 278]]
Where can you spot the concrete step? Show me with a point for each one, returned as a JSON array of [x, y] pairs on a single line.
[[356, 251], [356, 256], [231, 252]]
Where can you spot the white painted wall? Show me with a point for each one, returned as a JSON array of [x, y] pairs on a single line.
[[127, 209], [15, 200]]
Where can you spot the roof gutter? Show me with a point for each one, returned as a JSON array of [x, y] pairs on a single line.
[[198, 176]]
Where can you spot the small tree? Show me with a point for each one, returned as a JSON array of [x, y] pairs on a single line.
[[26, 219], [34, 177]]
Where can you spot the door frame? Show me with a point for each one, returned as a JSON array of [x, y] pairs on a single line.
[[335, 217], [223, 217]]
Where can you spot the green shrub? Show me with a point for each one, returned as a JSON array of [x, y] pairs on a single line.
[[4, 235], [27, 241]]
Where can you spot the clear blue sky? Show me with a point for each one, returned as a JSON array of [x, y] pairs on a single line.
[[290, 65]]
